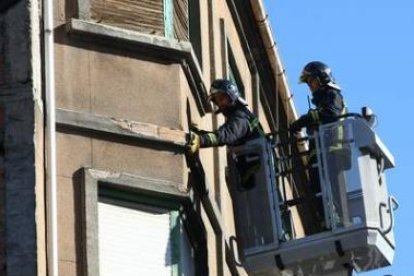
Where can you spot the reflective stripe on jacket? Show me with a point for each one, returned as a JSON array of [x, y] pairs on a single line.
[[329, 106]]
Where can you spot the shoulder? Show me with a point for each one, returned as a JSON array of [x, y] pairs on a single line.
[[240, 112], [333, 94], [333, 91]]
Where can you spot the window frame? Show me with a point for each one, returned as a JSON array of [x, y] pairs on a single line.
[[114, 196], [230, 68], [168, 18], [141, 190]]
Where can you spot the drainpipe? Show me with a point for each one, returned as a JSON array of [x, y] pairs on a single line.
[[51, 194], [272, 52]]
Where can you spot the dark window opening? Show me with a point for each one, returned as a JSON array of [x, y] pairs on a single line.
[[233, 72], [195, 29]]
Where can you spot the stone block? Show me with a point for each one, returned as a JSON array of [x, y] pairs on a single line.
[[68, 268], [23, 264], [20, 235], [72, 78], [74, 152], [67, 227], [141, 161], [127, 88]]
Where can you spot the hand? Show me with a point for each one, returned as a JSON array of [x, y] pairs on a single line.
[[295, 126], [194, 144], [300, 123]]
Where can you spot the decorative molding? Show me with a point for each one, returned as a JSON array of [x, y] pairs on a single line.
[[121, 127]]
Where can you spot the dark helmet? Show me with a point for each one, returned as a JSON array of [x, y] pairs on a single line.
[[229, 88], [319, 71]]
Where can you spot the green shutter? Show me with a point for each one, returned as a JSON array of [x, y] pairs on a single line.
[[175, 227], [169, 18]]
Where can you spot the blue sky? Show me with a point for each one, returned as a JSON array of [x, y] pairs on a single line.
[[369, 46]]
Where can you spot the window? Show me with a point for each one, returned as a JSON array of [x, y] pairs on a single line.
[[142, 16], [233, 72], [139, 226], [230, 70], [126, 228], [169, 18], [177, 19], [195, 28]]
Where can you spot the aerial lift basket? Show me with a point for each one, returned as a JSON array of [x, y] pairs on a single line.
[[357, 219]]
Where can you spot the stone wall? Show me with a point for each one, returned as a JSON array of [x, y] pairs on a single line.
[[19, 94]]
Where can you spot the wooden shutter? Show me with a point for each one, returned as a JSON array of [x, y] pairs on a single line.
[[141, 15], [181, 21]]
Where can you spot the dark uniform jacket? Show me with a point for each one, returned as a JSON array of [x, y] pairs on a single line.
[[329, 105], [240, 126]]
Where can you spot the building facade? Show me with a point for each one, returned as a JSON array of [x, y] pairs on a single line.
[[130, 78]]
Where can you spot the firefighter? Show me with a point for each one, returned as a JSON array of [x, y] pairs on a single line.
[[330, 105], [326, 96], [240, 124]]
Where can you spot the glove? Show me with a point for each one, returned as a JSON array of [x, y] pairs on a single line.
[[194, 143], [300, 123], [296, 126]]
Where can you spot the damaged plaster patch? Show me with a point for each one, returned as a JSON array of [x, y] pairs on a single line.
[[151, 131], [104, 174], [137, 128]]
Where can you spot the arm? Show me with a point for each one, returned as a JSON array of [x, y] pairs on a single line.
[[328, 110], [236, 128]]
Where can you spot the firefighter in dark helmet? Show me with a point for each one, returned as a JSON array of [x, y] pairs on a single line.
[[326, 96], [329, 107], [240, 124]]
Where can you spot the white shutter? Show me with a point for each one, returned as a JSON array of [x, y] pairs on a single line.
[[133, 242]]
